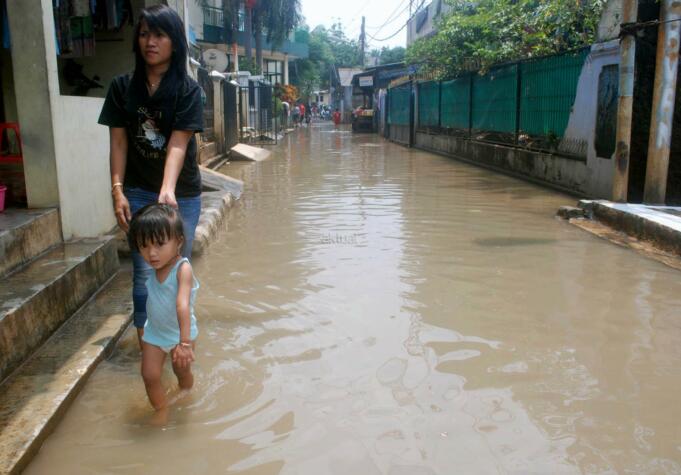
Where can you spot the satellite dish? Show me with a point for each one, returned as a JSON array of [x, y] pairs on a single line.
[[215, 59]]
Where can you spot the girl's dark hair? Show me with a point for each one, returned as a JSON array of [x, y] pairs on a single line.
[[154, 224], [161, 18]]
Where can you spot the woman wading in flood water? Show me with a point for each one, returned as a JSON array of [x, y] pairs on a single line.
[[152, 115]]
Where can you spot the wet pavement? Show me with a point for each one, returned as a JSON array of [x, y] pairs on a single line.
[[379, 310]]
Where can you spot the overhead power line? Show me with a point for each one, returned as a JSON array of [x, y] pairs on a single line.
[[390, 18], [401, 28]]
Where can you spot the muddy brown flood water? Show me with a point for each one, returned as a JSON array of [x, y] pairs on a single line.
[[378, 310]]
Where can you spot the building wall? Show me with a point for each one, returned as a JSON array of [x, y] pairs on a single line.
[[429, 26], [195, 20], [582, 124], [82, 149]]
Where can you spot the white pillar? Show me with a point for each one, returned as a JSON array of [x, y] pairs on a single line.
[[36, 88], [286, 69], [218, 115]]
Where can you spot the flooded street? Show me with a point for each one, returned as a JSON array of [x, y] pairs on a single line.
[[379, 310]]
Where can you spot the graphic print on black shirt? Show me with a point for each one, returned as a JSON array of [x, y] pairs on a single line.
[[150, 141]]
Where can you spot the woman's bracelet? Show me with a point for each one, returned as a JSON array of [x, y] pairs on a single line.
[[116, 185], [184, 344]]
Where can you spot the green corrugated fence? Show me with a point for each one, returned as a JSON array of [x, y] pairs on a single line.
[[495, 100], [455, 106], [528, 102], [549, 86], [400, 104], [429, 104]]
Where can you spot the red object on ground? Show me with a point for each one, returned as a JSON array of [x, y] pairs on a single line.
[[3, 190], [6, 155], [337, 118]]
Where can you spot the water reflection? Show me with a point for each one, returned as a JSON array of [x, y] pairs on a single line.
[[374, 309]]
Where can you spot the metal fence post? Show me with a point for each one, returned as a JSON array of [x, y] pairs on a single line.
[[470, 105], [518, 96], [439, 105]]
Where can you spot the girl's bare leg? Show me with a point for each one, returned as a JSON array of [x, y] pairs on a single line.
[[153, 358]]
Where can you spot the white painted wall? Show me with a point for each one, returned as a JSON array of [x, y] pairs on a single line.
[[82, 149], [429, 27], [195, 19], [582, 123]]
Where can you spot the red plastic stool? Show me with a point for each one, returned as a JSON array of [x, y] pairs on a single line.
[[7, 155]]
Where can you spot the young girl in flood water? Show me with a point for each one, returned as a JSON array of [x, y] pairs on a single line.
[[157, 233]]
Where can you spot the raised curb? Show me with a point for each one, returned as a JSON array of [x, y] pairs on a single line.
[[214, 208], [646, 223]]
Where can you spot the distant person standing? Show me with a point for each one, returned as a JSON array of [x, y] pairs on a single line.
[[302, 113], [296, 115], [308, 114], [337, 117]]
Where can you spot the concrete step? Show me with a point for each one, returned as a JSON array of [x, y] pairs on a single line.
[[242, 151], [25, 234], [36, 396], [36, 299]]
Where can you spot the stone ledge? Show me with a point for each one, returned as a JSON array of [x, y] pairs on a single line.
[[214, 208], [35, 397], [657, 225]]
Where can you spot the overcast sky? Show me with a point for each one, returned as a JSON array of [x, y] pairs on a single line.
[[377, 12]]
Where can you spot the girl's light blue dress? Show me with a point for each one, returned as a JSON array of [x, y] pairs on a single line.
[[162, 328]]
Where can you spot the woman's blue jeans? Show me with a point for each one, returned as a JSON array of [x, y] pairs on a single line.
[[190, 210]]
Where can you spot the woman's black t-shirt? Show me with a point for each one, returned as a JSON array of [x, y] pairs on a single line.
[[149, 121]]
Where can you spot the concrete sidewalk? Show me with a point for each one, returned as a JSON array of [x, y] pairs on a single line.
[[651, 230]]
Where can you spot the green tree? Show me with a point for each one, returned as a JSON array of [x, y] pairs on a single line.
[[329, 48], [391, 55], [276, 19], [477, 35]]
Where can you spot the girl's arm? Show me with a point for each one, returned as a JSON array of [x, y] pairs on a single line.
[[183, 355], [177, 149], [118, 152]]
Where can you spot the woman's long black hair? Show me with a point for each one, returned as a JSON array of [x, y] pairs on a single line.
[[163, 18]]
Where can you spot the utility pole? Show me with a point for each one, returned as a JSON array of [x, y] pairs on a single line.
[[664, 97], [625, 103], [362, 43]]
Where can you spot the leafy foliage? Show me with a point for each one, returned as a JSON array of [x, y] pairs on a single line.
[[477, 35], [287, 93], [328, 48], [388, 55]]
